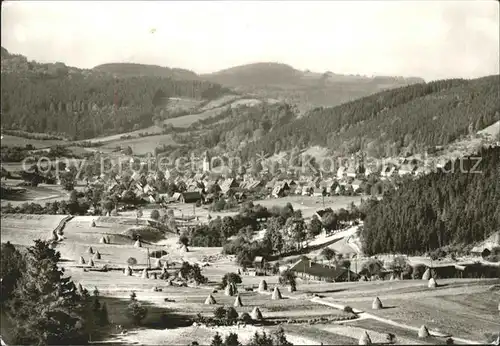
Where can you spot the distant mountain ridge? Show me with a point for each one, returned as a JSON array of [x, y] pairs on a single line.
[[269, 73]]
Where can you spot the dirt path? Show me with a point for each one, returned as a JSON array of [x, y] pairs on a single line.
[[365, 315], [57, 232]]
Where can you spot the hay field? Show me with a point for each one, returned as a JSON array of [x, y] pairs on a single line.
[[79, 235], [464, 308], [22, 229]]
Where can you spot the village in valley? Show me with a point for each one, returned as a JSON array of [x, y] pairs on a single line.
[[259, 205]]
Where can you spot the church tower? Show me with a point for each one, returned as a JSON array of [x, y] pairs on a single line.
[[206, 162]]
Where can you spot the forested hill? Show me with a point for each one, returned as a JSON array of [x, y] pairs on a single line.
[[455, 208], [137, 70], [57, 99], [409, 119], [306, 89]]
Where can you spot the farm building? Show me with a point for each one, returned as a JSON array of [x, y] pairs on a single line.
[[308, 269], [322, 212], [488, 244], [190, 197], [259, 264]]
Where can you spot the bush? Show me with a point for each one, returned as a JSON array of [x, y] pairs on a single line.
[[231, 314], [131, 261], [155, 214], [230, 278], [219, 312], [348, 309], [136, 312], [246, 318]]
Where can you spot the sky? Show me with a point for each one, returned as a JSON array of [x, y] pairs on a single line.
[[429, 39]]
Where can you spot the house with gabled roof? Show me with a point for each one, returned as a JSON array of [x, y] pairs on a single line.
[[351, 171], [279, 189], [356, 184], [228, 184], [191, 197], [388, 171], [270, 184], [407, 169], [305, 268]]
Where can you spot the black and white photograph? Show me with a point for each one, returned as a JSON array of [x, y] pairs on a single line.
[[250, 173]]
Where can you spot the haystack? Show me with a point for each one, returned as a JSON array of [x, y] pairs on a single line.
[[81, 260], [145, 274], [237, 301], [97, 255], [276, 294], [423, 332], [128, 271], [137, 243], [256, 314], [427, 274], [392, 278], [432, 283], [90, 250], [229, 290], [210, 299], [365, 339], [103, 240], [93, 223], [263, 286], [91, 262], [158, 263], [377, 304]]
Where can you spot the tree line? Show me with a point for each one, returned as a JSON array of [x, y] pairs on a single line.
[[455, 206], [407, 119], [86, 104]]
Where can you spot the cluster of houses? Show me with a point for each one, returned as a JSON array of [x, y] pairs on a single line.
[[206, 187]]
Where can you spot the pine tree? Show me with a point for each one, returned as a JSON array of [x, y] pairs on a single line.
[[232, 340], [45, 308], [280, 338], [217, 340]]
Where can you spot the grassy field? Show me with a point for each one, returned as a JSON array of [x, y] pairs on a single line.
[[40, 194], [464, 308], [141, 145], [15, 141], [187, 120], [310, 204], [23, 229]]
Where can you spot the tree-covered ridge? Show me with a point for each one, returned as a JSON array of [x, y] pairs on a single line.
[[234, 128], [456, 206], [409, 118], [84, 104], [135, 70]]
